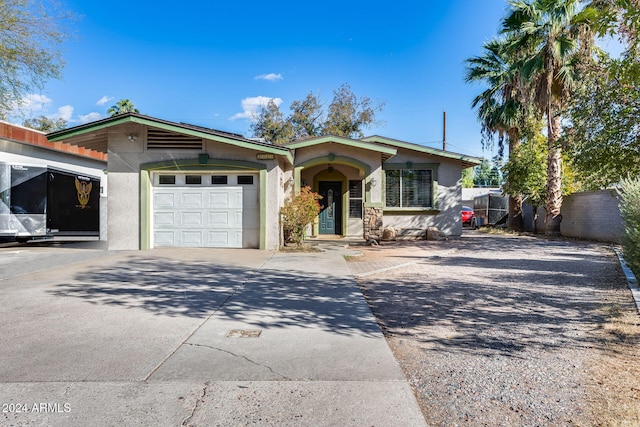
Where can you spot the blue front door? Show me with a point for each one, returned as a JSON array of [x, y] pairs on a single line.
[[331, 213]]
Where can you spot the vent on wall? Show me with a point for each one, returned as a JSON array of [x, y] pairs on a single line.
[[161, 139]]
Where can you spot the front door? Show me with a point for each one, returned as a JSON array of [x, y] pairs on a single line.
[[331, 213]]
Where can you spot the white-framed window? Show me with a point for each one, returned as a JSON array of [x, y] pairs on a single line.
[[409, 188], [355, 198]]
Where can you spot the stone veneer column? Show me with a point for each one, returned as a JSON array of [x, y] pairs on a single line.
[[372, 224]]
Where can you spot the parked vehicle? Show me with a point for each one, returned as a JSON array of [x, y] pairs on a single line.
[[41, 202], [467, 214], [490, 209]]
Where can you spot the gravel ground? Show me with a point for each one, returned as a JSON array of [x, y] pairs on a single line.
[[496, 330]]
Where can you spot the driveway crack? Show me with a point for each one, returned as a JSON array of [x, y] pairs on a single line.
[[199, 400], [241, 357]]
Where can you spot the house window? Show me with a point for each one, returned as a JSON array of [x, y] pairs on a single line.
[[219, 179], [355, 199], [409, 188], [245, 179], [167, 179], [193, 180]]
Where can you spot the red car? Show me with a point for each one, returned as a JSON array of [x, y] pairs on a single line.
[[467, 213]]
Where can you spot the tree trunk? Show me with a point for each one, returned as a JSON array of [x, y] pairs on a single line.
[[554, 177], [514, 221]]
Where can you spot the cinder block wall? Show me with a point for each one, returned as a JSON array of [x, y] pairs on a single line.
[[588, 215], [592, 215]]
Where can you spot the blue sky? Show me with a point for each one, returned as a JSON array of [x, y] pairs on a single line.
[[209, 62]]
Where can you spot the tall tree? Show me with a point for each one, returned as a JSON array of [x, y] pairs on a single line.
[[45, 124], [347, 116], [306, 117], [604, 112], [500, 107], [121, 107], [31, 34], [271, 125], [555, 36]]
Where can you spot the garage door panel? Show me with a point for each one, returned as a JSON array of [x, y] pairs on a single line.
[[164, 238], [219, 238], [164, 219], [191, 200], [191, 219], [163, 199], [203, 216], [192, 238], [219, 200], [237, 218]]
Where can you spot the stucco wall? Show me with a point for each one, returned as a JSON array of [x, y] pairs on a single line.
[[369, 158], [126, 158], [446, 217], [123, 211]]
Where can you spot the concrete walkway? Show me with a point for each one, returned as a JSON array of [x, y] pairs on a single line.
[[195, 337]]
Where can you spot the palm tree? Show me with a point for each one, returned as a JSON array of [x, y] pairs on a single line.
[[554, 35], [123, 106], [499, 108]]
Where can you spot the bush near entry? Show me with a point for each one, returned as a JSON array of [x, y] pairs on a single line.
[[298, 213]]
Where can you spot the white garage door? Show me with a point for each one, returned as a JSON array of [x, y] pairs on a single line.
[[191, 211]]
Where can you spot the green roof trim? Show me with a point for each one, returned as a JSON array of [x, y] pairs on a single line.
[[468, 160], [185, 129], [344, 141]]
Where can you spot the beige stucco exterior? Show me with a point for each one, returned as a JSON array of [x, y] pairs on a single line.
[[281, 172]]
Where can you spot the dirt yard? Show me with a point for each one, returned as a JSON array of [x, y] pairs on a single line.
[[508, 330]]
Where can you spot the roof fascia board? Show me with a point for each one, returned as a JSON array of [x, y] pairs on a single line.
[[345, 141], [422, 149], [115, 121], [88, 128]]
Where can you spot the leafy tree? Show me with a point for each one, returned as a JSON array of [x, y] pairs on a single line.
[[271, 125], [45, 124], [555, 36], [298, 213], [604, 115], [30, 36], [347, 115], [121, 107], [467, 178], [487, 174], [526, 171], [306, 117]]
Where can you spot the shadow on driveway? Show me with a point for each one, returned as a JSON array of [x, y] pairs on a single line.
[[496, 294], [264, 297]]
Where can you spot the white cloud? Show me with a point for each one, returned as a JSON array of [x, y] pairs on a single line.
[[91, 117], [104, 100], [252, 105], [272, 77], [65, 112], [31, 105]]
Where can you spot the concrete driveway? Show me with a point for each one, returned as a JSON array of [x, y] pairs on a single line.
[[192, 337]]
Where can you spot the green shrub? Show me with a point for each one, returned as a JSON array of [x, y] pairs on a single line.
[[298, 213], [630, 211]]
